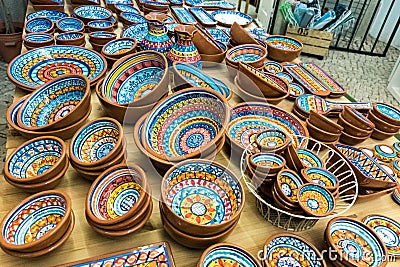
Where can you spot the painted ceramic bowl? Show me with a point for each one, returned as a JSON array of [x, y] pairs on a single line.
[[186, 124], [224, 253], [70, 25], [357, 119], [43, 25], [321, 177], [386, 112], [272, 140], [119, 48], [267, 162], [315, 200], [36, 222], [382, 125], [101, 38], [355, 243], [252, 54], [286, 76], [70, 38], [201, 197], [273, 67], [117, 194], [36, 160], [295, 90], [38, 66], [384, 153], [288, 249], [387, 229], [125, 8], [97, 142], [136, 31], [308, 158], [53, 15], [38, 39], [288, 184], [283, 48], [100, 25], [129, 18], [88, 13], [59, 103]]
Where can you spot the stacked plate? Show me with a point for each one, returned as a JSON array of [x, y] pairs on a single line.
[[96, 146], [38, 225], [201, 202], [119, 201], [386, 119], [323, 129]]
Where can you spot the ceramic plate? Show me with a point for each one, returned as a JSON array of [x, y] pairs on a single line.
[[219, 35], [203, 16], [228, 17], [183, 15], [136, 31], [54, 15], [228, 255], [41, 65]]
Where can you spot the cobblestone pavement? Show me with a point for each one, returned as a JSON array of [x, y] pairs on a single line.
[[365, 78]]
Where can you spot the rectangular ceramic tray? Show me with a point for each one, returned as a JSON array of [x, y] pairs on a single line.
[[183, 15], [203, 16]]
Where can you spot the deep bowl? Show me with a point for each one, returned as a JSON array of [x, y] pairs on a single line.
[[129, 18], [252, 54], [272, 140], [96, 142], [88, 13], [59, 103], [186, 124], [119, 47], [201, 197], [37, 222], [283, 48], [70, 38], [38, 39], [387, 113], [357, 119], [267, 163], [381, 124], [288, 184], [321, 177], [101, 37], [321, 121], [70, 25], [350, 129], [100, 25], [321, 135], [39, 24], [308, 158], [315, 200]]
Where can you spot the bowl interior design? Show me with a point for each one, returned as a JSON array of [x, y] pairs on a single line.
[[284, 43], [38, 38], [100, 24], [322, 177], [70, 36], [246, 53], [39, 25], [70, 24], [228, 253], [289, 183], [315, 200], [119, 46], [308, 158], [267, 160], [92, 12], [271, 139]]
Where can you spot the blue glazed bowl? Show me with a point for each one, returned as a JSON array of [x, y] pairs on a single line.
[[136, 31], [387, 113], [129, 18], [272, 140], [43, 25], [273, 67], [36, 160], [70, 25], [119, 48], [100, 25], [38, 39], [288, 184], [54, 15], [101, 37], [88, 13], [201, 197], [96, 143], [267, 163], [283, 48], [186, 124], [321, 177], [126, 8], [308, 158], [254, 55], [316, 200], [146, 83], [71, 38], [55, 105], [295, 90]]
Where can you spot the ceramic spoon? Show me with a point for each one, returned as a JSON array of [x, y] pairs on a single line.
[[308, 102]]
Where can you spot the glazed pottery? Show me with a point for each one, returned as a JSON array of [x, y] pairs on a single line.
[[119, 8], [384, 153], [184, 50], [129, 18], [283, 48], [203, 17], [210, 60], [101, 38], [119, 48], [357, 119], [381, 135], [308, 158], [273, 141], [321, 135], [387, 113], [30, 70], [218, 35], [352, 130], [382, 125], [39, 24], [100, 25], [157, 38], [287, 185], [136, 31], [53, 15], [70, 25], [88, 13], [183, 15], [240, 36], [315, 200], [59, 103], [321, 177], [323, 122], [204, 43], [273, 67], [34, 40], [267, 163], [396, 147], [252, 54], [227, 17], [211, 5], [295, 90], [349, 139], [70, 38]]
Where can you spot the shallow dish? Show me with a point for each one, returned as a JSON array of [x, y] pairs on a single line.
[[70, 38], [38, 39], [273, 67], [272, 141], [100, 25], [288, 184], [387, 113], [39, 24], [283, 48], [53, 15], [70, 25], [227, 17], [321, 177], [316, 200], [88, 13], [252, 54], [119, 48], [267, 163], [308, 158]]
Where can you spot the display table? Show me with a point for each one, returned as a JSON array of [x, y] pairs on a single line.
[[250, 233]]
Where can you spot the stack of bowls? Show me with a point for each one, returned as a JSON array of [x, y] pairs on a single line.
[[57, 108], [354, 134], [71, 38], [127, 101], [254, 55], [386, 119], [201, 203], [283, 48], [99, 39], [38, 225], [119, 201], [210, 49], [118, 48], [35, 40], [96, 146], [285, 189], [119, 8], [323, 129], [38, 164]]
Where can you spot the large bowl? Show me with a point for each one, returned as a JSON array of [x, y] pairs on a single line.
[[254, 55], [70, 25], [137, 80], [36, 160], [88, 13], [57, 104], [70, 38], [201, 197], [37, 222], [38, 39], [283, 48], [39, 24], [186, 124], [119, 48]]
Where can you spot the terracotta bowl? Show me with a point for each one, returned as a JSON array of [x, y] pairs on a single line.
[[239, 35], [70, 38], [87, 175], [179, 210], [37, 222], [254, 55], [283, 48], [36, 160], [288, 184], [119, 48], [350, 129], [100, 26], [43, 110], [321, 177], [96, 142], [357, 119], [293, 160], [272, 141], [39, 24], [69, 24], [284, 204], [215, 58], [323, 122], [381, 124], [35, 40], [97, 48], [88, 13], [308, 158], [320, 134], [101, 38], [352, 140], [204, 43], [129, 18], [119, 8], [381, 135], [387, 113], [267, 163]]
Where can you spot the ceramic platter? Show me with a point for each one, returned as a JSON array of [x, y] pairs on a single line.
[[38, 66], [228, 17], [183, 15], [212, 5], [249, 119], [203, 16], [136, 31]]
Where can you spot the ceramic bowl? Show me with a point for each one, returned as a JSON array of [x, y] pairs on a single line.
[[70, 38], [286, 248], [117, 194], [357, 119], [384, 153], [37, 222], [100, 25], [283, 48], [387, 113], [287, 185], [320, 121], [39, 24], [51, 14], [119, 8], [70, 25], [59, 103], [381, 135], [267, 163], [36, 160], [293, 160], [351, 129], [119, 48], [202, 115], [206, 202], [97, 142], [99, 48], [273, 141], [283, 204], [355, 243], [38, 39], [320, 134], [308, 158], [129, 18], [382, 125], [224, 252], [137, 80], [295, 90], [252, 54], [101, 38], [88, 13], [316, 200], [348, 139], [210, 60], [321, 177], [273, 67]]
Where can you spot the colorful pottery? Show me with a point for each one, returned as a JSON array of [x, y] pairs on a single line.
[[183, 15], [218, 35], [203, 16], [40, 24], [321, 177], [288, 182], [53, 15], [396, 147], [384, 153], [70, 38], [308, 158], [283, 48], [211, 5], [272, 140], [136, 31], [184, 50], [252, 54], [295, 90], [126, 8], [315, 200], [396, 167], [287, 77], [227, 17], [267, 162], [119, 47], [387, 113], [132, 18], [157, 38], [91, 12], [70, 25], [100, 25], [38, 39], [273, 67]]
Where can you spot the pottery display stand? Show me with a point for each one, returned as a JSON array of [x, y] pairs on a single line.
[[251, 232]]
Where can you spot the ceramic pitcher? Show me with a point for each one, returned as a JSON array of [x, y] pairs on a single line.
[[157, 38], [184, 49]]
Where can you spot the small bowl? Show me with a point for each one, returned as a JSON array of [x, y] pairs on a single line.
[[288, 184], [321, 177], [129, 18], [267, 163], [323, 122], [35, 40], [100, 26], [396, 147], [357, 119], [387, 113], [96, 142], [283, 48], [381, 135], [51, 14], [384, 153], [101, 38], [351, 129], [20, 230], [295, 90], [308, 158], [285, 76], [273, 141], [352, 140], [70, 38], [215, 58], [252, 54], [98, 48], [273, 67], [293, 160], [119, 8], [320, 134], [88, 13], [39, 24], [119, 48], [382, 125], [316, 200], [70, 25]]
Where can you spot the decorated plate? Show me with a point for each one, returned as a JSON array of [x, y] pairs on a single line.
[[203, 16], [136, 31], [228, 17], [53, 15], [227, 255], [315, 200], [219, 35], [41, 65]]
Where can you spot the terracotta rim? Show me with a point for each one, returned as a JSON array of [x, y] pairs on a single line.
[[37, 44], [120, 55], [325, 119], [112, 152], [61, 160], [330, 135], [275, 170], [383, 116], [352, 126], [276, 149], [329, 188], [76, 41], [200, 149], [79, 30], [261, 59], [50, 233], [379, 122], [89, 19], [48, 31], [234, 217], [286, 37], [351, 112], [278, 189]]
